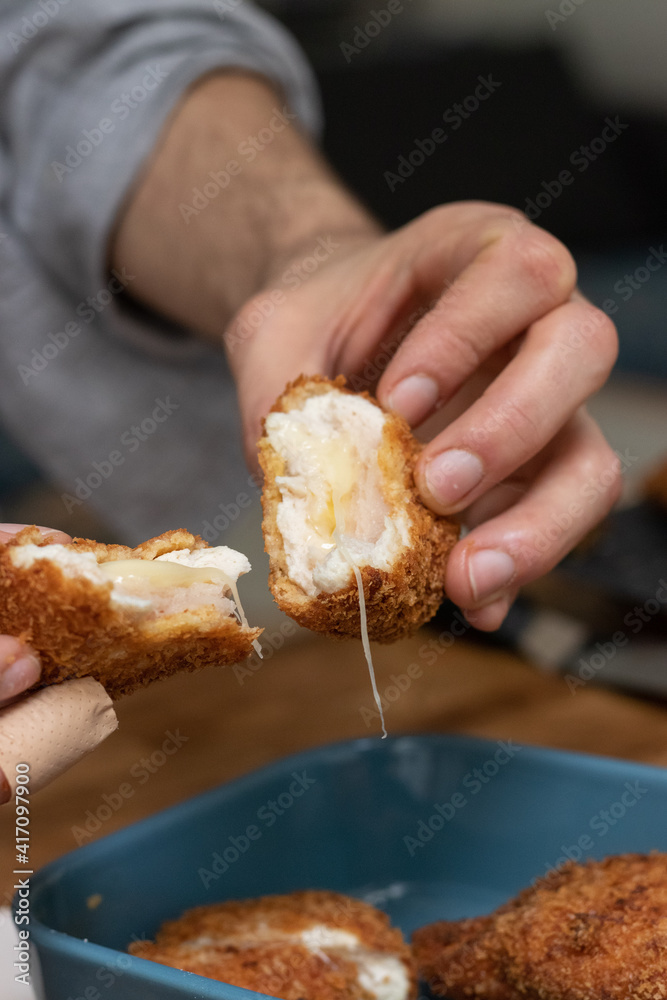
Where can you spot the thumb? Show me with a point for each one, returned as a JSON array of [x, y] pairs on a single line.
[[267, 348]]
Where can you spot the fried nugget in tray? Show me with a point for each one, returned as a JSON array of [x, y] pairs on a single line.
[[310, 945], [123, 616], [339, 493], [596, 931]]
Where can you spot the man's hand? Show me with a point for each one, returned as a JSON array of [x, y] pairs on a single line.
[[469, 312], [503, 346]]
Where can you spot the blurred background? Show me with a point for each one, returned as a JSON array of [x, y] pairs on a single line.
[[558, 108]]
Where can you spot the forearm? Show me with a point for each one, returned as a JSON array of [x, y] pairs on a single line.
[[265, 195]]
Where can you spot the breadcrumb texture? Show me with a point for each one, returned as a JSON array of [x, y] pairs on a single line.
[[78, 632], [398, 602], [596, 931], [247, 943]]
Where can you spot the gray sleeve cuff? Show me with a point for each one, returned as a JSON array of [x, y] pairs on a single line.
[[87, 105]]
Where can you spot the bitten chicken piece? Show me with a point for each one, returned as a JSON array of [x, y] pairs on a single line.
[[311, 945], [123, 616], [339, 499]]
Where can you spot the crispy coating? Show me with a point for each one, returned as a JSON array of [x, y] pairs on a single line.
[[398, 601], [78, 632], [247, 943], [596, 931]]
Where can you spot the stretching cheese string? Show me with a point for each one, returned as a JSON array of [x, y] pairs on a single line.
[[362, 606]]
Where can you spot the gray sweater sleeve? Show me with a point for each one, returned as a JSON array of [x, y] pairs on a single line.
[[86, 87]]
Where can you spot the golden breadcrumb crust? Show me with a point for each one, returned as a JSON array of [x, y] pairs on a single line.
[[596, 931], [253, 949], [397, 602], [78, 632]]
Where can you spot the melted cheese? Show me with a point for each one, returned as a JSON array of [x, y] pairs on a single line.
[[337, 462], [163, 574]]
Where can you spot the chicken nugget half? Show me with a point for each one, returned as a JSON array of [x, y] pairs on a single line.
[[594, 931], [123, 616], [317, 945], [341, 512]]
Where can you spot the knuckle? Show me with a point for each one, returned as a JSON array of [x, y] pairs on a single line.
[[611, 478], [469, 354], [546, 261], [524, 425], [602, 342]]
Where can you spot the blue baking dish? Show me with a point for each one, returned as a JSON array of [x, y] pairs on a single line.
[[422, 826]]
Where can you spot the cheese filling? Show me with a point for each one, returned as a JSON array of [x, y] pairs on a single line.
[[330, 450], [333, 517], [384, 976], [174, 582]]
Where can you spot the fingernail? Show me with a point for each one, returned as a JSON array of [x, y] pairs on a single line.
[[18, 677], [490, 617], [414, 398], [5, 790], [490, 571], [452, 475]]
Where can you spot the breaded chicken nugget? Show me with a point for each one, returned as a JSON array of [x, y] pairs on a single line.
[[123, 616], [339, 499], [312, 945], [596, 931]]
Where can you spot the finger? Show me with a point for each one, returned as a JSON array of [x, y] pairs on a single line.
[[7, 531], [522, 410], [507, 278], [491, 616], [5, 790], [574, 490], [19, 668]]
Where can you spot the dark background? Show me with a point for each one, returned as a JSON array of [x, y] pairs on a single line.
[[396, 89]]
